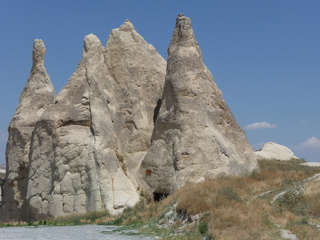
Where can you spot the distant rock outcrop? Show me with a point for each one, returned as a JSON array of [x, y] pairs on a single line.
[[125, 121], [275, 151], [195, 135], [311, 164], [34, 99]]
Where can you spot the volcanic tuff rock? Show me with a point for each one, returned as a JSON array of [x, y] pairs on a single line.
[[74, 167], [273, 150], [195, 134], [121, 124], [139, 72], [35, 97]]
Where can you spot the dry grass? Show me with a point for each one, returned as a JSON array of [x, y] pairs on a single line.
[[226, 200], [240, 221], [240, 207], [143, 212], [235, 207], [304, 231]]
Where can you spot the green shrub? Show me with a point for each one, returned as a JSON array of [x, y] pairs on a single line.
[[203, 228], [293, 199]]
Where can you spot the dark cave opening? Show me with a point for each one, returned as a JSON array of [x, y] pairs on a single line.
[[159, 196]]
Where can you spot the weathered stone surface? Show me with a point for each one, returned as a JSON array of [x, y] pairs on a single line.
[[74, 168], [195, 134], [36, 96], [123, 122], [275, 151], [97, 120], [139, 73], [2, 170]]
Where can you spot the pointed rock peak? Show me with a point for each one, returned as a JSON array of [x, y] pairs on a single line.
[[182, 21], [195, 133], [39, 82], [91, 41], [39, 51], [127, 26], [91, 38], [183, 33]]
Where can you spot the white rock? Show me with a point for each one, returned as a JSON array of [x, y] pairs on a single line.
[[196, 134], [35, 97], [124, 121], [286, 234], [275, 151], [139, 72], [200, 180], [311, 164], [73, 160]]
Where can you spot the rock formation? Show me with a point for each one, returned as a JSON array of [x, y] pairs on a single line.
[[195, 134], [97, 130], [275, 151], [74, 167], [125, 121], [35, 97], [139, 72]]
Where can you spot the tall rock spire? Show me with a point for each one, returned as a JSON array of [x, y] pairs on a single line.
[[196, 134], [139, 73], [34, 99]]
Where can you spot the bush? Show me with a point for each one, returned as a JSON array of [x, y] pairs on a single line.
[[292, 197], [203, 228]]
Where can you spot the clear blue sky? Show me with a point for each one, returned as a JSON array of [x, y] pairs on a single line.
[[264, 55]]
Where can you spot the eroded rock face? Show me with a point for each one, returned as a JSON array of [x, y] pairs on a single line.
[[74, 168], [36, 96], [195, 134], [275, 151], [93, 136], [139, 73], [124, 121]]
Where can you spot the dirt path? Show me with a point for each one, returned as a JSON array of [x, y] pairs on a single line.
[[83, 232]]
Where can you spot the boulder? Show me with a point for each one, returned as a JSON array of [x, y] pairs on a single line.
[[195, 134], [275, 151], [35, 97], [311, 164]]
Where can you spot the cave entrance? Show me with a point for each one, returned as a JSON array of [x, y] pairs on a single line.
[[159, 196]]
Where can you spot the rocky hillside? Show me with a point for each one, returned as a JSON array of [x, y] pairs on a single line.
[[279, 202], [125, 122]]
